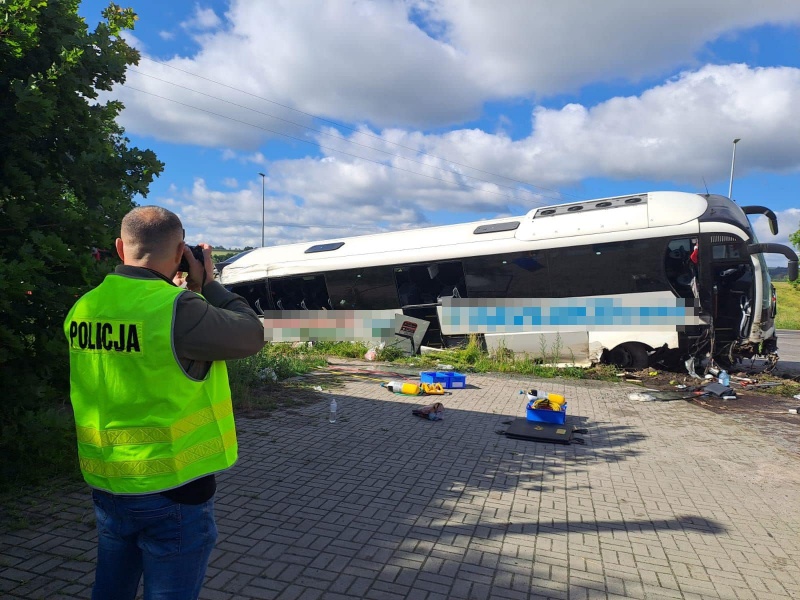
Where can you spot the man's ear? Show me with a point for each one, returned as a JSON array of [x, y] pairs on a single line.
[[179, 251], [120, 250]]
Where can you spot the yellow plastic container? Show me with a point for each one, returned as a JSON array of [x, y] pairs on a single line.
[[399, 387], [412, 389], [556, 401]]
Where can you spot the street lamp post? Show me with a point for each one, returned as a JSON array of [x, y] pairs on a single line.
[[262, 206], [733, 162]]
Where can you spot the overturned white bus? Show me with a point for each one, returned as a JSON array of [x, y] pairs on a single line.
[[654, 278]]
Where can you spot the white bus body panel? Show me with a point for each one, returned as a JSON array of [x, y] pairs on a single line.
[[454, 242], [570, 348]]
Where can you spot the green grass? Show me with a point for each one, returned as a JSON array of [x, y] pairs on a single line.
[[473, 359], [788, 306]]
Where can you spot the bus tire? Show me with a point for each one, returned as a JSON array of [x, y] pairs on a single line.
[[630, 355]]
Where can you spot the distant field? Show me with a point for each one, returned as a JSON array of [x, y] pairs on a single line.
[[788, 306], [218, 253]]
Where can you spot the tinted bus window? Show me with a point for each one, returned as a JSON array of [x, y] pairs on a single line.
[[607, 269], [255, 293], [308, 292], [680, 270], [517, 275], [726, 251], [362, 289], [428, 283]]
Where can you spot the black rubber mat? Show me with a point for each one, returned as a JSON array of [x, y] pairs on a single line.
[[523, 429]]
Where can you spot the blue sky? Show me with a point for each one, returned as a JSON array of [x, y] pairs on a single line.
[[379, 115]]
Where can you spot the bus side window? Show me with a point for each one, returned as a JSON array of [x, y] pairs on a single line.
[[679, 268], [515, 275], [369, 288], [300, 293], [428, 284], [255, 294]]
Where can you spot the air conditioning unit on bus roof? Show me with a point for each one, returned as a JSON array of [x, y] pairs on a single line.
[[605, 215]]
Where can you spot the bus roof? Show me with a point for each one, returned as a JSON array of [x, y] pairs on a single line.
[[562, 221]]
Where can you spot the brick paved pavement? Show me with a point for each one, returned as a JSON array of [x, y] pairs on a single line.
[[665, 500]]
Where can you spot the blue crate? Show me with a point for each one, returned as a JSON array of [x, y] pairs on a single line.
[[448, 379], [456, 380], [433, 377], [542, 415]]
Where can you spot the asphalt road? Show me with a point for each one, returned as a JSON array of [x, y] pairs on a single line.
[[789, 351]]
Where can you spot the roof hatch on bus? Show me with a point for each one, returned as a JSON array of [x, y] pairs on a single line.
[[324, 247]]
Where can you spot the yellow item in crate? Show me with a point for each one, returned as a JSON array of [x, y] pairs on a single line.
[[432, 389], [556, 401]]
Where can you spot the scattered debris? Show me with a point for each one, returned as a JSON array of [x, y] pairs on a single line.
[[719, 390], [432, 412], [690, 368]]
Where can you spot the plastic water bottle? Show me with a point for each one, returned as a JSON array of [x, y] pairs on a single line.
[[332, 418], [724, 378]]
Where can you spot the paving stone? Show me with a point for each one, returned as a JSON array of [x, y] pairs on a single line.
[[665, 500]]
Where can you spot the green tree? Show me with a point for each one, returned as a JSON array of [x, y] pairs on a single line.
[[794, 238], [67, 177]]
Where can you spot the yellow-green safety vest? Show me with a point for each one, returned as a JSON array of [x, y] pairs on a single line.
[[143, 425]]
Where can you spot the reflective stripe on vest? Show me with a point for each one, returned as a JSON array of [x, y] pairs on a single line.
[[159, 466], [153, 435]]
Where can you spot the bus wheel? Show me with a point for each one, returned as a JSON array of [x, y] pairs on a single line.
[[630, 355]]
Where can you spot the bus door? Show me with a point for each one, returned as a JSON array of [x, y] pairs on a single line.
[[420, 289], [728, 271]]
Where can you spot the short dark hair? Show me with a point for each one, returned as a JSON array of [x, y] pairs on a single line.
[[151, 230]]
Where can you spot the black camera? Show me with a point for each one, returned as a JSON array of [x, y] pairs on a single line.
[[197, 252]]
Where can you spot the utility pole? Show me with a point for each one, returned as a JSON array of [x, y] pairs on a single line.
[[263, 180], [733, 162]]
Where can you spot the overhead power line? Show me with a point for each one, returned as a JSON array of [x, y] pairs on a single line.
[[341, 138], [359, 132], [326, 147]]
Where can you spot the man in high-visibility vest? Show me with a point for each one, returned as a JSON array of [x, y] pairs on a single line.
[[152, 405]]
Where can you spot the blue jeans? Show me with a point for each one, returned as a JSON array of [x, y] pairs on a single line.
[[167, 542]]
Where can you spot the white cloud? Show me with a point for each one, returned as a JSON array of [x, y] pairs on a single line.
[[203, 19], [788, 223], [133, 41], [406, 65], [233, 219], [542, 47], [680, 131], [387, 62]]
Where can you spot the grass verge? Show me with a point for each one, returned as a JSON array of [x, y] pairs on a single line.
[[788, 306]]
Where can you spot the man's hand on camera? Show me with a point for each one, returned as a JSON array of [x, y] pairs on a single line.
[[179, 279], [199, 273]]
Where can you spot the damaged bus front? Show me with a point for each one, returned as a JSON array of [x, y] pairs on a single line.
[[734, 290]]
